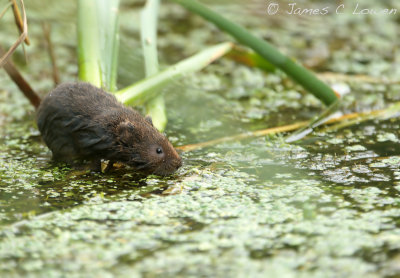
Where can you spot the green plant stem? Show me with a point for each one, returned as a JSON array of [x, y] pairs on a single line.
[[298, 73], [149, 87], [107, 12], [98, 42], [88, 49], [155, 107]]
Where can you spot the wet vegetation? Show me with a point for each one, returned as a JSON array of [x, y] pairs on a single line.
[[327, 205]]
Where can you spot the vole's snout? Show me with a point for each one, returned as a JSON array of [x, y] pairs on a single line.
[[178, 163], [169, 168]]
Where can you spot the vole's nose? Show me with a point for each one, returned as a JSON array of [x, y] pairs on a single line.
[[178, 163]]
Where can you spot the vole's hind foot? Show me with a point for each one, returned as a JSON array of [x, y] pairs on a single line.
[[109, 166]]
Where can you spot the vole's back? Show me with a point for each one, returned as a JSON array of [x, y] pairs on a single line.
[[67, 120], [78, 98]]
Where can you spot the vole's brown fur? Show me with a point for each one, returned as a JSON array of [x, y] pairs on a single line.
[[80, 121]]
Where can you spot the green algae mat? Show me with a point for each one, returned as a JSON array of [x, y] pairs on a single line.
[[325, 206]]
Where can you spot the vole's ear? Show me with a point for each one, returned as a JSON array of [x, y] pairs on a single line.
[[125, 128], [149, 120], [125, 132]]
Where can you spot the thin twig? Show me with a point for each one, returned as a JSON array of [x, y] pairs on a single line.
[[5, 9], [55, 72], [334, 77], [18, 20], [19, 80], [21, 38], [243, 136], [280, 129]]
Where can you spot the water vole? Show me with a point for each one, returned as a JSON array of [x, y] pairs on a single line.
[[80, 121]]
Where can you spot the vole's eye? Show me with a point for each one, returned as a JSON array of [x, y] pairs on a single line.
[[159, 151]]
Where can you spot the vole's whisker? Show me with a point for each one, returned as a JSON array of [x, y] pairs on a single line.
[[143, 166]]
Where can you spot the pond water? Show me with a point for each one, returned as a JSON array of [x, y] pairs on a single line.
[[325, 206]]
